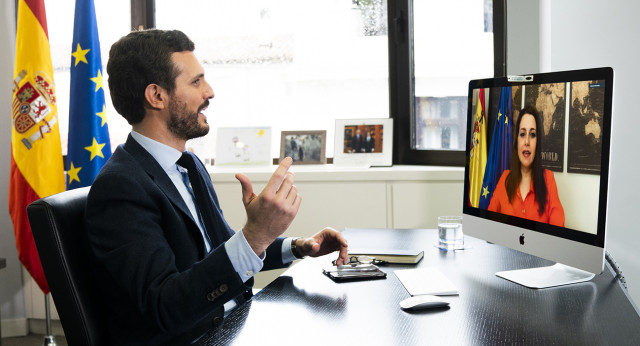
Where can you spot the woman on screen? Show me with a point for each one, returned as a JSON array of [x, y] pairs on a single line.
[[528, 190]]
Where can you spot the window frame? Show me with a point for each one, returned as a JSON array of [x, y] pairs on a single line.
[[401, 83], [401, 75], [143, 14]]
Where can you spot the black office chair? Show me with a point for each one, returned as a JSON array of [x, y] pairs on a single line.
[[57, 223]]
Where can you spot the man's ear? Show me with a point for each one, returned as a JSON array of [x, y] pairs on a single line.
[[155, 96]]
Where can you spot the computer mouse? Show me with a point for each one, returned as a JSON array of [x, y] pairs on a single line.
[[424, 301]]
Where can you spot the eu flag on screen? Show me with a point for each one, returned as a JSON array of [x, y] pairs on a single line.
[[499, 157], [88, 147]]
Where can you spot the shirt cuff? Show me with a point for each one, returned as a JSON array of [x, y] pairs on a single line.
[[287, 254], [244, 260]]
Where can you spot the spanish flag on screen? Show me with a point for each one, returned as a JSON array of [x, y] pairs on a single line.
[[478, 159], [36, 154], [89, 146]]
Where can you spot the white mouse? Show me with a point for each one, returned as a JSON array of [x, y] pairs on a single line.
[[424, 301]]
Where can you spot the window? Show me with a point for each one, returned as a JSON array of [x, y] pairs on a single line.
[[111, 26], [439, 47], [289, 64], [299, 65]]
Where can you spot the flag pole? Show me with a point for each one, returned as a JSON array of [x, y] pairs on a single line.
[[49, 339]]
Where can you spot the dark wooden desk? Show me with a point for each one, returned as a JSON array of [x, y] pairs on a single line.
[[303, 307]]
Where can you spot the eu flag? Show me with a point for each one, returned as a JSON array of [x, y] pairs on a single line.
[[88, 147], [500, 150]]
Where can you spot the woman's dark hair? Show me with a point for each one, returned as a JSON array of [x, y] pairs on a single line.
[[537, 172], [139, 59]]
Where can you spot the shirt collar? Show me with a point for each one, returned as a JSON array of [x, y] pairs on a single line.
[[528, 192], [164, 154]]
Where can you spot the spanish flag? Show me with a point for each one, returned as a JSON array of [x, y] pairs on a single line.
[[478, 159], [36, 154]]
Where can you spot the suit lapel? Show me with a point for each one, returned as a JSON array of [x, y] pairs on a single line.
[[162, 180], [158, 175], [221, 232]]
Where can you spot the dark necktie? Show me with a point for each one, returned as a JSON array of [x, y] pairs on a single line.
[[204, 202]]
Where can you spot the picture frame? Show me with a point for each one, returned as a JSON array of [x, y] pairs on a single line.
[[304, 147], [585, 124], [549, 99], [243, 146], [363, 142]]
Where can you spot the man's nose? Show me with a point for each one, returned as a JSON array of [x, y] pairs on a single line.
[[209, 94]]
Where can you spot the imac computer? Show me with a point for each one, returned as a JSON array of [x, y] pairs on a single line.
[[538, 182]]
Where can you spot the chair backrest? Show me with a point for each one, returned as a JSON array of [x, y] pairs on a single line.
[[57, 224]]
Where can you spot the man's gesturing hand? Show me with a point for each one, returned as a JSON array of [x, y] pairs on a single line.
[[324, 242], [271, 212]]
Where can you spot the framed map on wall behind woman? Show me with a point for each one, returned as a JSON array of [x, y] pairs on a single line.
[[585, 127], [549, 101]]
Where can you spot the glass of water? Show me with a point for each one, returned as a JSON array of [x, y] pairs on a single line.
[[450, 233]]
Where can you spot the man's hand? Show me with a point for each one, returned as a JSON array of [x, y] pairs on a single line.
[[324, 242], [271, 212]]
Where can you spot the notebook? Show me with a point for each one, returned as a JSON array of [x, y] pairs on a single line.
[[391, 255], [426, 281]]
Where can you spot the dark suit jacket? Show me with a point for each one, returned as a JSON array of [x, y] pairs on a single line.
[[149, 256]]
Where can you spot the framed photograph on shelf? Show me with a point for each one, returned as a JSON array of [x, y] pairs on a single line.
[[363, 142], [243, 146], [304, 147]]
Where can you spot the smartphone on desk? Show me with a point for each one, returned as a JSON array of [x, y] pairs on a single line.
[[354, 273]]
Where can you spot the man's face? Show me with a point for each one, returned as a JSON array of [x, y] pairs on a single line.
[[189, 98]]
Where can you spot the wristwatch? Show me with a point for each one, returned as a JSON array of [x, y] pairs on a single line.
[[295, 250]]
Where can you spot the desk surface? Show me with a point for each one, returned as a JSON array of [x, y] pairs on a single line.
[[303, 307]]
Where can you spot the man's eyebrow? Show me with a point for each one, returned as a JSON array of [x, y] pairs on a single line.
[[198, 76]]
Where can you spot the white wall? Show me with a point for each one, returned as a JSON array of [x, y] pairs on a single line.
[[574, 34], [12, 307]]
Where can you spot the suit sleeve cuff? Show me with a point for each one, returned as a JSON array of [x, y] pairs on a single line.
[[244, 260]]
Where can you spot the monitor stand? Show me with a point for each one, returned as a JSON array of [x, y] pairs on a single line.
[[543, 277]]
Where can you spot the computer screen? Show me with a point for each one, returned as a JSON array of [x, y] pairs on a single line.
[[537, 169]]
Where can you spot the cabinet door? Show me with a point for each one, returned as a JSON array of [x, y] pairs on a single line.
[[335, 204], [418, 204]]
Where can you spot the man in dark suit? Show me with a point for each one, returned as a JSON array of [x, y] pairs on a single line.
[[169, 268], [368, 143], [356, 142]]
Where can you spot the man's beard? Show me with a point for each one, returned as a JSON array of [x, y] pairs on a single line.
[[183, 123]]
